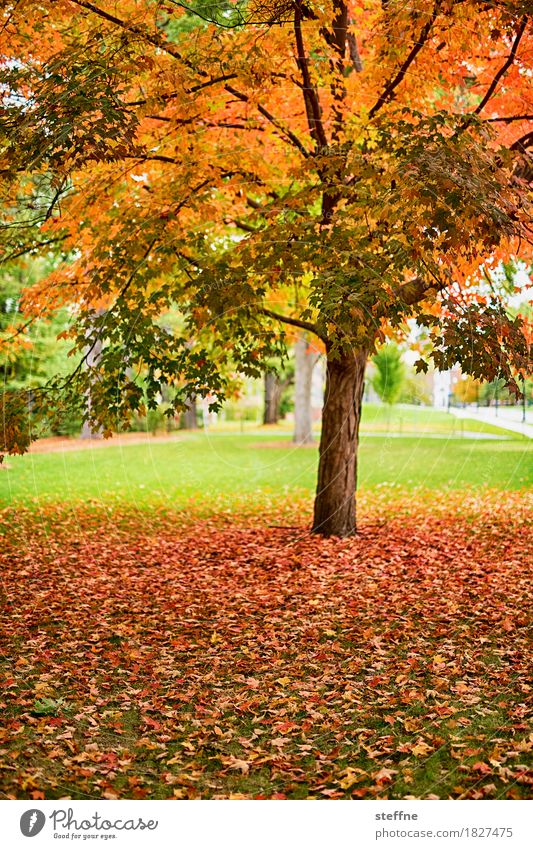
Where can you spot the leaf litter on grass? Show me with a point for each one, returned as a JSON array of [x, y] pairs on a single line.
[[170, 656]]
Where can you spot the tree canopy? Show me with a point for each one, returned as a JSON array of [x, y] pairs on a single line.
[[389, 374], [333, 166]]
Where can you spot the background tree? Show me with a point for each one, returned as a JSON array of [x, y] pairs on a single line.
[[389, 375], [276, 383], [467, 390], [190, 416], [365, 157], [30, 353], [306, 357]]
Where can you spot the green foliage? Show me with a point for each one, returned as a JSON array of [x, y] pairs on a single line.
[[199, 14], [389, 376], [30, 351], [495, 390], [47, 707], [414, 389], [31, 356], [235, 411]]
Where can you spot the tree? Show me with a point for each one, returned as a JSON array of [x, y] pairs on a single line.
[[92, 359], [305, 358], [190, 416], [494, 393], [275, 386], [467, 390], [389, 376], [335, 167], [30, 353]]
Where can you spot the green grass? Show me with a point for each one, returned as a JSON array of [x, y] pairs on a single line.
[[400, 418], [411, 419], [207, 466]]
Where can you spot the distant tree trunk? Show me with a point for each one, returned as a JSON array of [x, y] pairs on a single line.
[[93, 356], [190, 419], [305, 361], [334, 513], [273, 390]]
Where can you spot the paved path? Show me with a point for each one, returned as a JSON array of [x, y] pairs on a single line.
[[509, 418]]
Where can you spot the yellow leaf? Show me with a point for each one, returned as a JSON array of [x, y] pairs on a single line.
[[421, 749]]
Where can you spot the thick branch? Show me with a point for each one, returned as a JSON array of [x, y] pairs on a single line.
[[393, 84], [336, 39], [312, 104], [353, 49], [504, 68], [296, 322], [523, 143], [417, 289], [507, 119]]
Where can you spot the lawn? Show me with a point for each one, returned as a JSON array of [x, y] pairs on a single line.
[[217, 466], [379, 418], [230, 657], [172, 630]]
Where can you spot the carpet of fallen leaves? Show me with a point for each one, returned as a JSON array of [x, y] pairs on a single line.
[[185, 656]]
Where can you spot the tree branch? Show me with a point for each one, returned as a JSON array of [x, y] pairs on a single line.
[[312, 104], [419, 44], [507, 119], [33, 247], [241, 225], [296, 322], [523, 143], [287, 134], [156, 40], [504, 68], [415, 290]]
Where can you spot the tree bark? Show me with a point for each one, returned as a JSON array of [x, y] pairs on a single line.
[[190, 420], [273, 390], [334, 513], [305, 361], [93, 356]]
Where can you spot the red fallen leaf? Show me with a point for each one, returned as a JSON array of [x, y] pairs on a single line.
[[481, 767], [165, 590], [489, 789], [152, 723], [286, 726], [384, 776]]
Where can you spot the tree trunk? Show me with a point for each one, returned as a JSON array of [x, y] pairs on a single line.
[[190, 420], [337, 470], [305, 361], [93, 356], [273, 389]]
